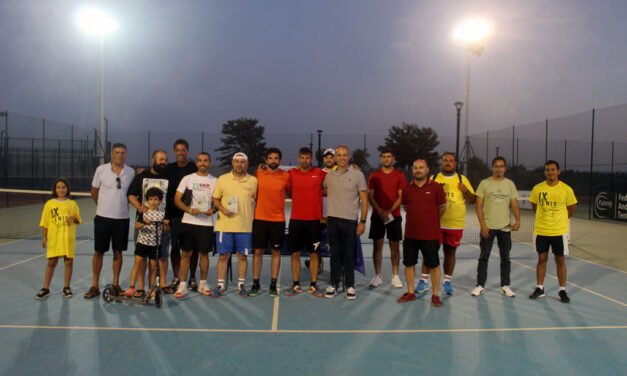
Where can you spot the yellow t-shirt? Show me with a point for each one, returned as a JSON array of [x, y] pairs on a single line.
[[455, 215], [236, 195], [551, 212], [61, 235]]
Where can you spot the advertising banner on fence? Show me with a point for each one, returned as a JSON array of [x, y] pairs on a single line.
[[610, 205]]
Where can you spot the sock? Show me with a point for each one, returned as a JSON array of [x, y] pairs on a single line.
[[273, 283], [424, 277], [541, 287], [256, 282], [182, 284], [296, 283], [202, 282], [312, 283], [240, 282], [562, 288], [220, 284], [447, 278]]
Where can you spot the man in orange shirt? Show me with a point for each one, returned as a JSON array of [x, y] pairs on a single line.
[[269, 221]]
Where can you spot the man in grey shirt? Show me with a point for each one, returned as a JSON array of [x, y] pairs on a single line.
[[497, 200], [346, 195]]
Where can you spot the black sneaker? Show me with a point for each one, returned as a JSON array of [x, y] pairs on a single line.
[[273, 292], [254, 290], [42, 294], [537, 293], [563, 296], [175, 283], [67, 293], [192, 284]]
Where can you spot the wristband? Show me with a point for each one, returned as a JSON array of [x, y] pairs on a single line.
[[362, 221]]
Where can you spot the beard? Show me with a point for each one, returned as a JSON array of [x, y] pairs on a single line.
[[160, 168], [273, 166]]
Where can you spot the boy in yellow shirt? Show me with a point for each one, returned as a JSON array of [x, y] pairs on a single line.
[[554, 202]]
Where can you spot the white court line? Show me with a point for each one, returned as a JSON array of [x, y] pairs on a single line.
[[302, 331], [32, 258], [12, 242], [569, 283], [275, 311]]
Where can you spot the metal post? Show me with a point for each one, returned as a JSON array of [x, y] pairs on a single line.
[[467, 115], [43, 147], [72, 153], [458, 107], [319, 154], [311, 141], [149, 161], [513, 144], [546, 140], [107, 150], [487, 142], [102, 120], [202, 141], [32, 162], [612, 170], [590, 199], [517, 156]]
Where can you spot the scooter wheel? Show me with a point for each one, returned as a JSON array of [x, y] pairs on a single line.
[[158, 299], [107, 294]]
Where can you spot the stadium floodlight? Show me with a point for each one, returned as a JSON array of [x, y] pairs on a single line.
[[98, 23], [473, 33]]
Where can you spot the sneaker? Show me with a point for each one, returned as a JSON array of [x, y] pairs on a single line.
[[192, 284], [563, 296], [422, 286], [295, 290], [435, 301], [254, 290], [330, 292], [218, 292], [396, 282], [203, 288], [175, 283], [92, 293], [42, 294], [376, 281], [351, 293], [242, 291], [315, 291], [537, 293], [67, 293], [181, 291], [117, 290], [273, 292], [167, 290], [507, 292], [479, 290], [406, 297], [448, 289]]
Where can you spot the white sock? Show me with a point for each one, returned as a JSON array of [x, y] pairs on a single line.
[[424, 277], [541, 287], [562, 288], [447, 278]]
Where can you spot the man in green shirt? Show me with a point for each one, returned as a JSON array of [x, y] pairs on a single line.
[[497, 200]]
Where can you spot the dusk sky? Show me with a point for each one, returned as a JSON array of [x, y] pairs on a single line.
[[349, 67]]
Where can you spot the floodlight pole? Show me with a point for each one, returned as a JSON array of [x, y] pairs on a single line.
[[102, 142], [319, 153], [458, 107]]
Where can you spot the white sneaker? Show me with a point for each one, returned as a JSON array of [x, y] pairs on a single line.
[[396, 282], [203, 288], [351, 294], [376, 281], [477, 291], [330, 292], [181, 291], [507, 292]]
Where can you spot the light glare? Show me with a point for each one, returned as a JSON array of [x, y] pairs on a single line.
[[95, 22], [473, 31]]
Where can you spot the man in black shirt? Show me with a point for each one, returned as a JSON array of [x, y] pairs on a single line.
[[176, 171]]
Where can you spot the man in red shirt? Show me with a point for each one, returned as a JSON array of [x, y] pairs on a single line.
[[425, 202], [269, 221], [384, 193], [305, 227]]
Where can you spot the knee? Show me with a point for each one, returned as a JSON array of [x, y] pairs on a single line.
[[68, 261], [52, 262]]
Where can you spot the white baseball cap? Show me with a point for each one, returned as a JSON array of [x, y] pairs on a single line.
[[240, 155], [329, 151]]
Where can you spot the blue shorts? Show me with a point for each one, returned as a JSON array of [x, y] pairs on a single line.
[[230, 242]]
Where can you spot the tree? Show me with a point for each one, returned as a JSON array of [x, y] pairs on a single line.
[[245, 135], [410, 142], [360, 158]]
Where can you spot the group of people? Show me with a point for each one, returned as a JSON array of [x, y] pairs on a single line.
[[176, 203]]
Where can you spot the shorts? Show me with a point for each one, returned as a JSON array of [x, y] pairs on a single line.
[[229, 242], [196, 238], [451, 237], [429, 249], [266, 233], [175, 232], [394, 229], [558, 244], [143, 250], [110, 231], [304, 235]]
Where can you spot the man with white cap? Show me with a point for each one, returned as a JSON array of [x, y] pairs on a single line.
[[233, 197]]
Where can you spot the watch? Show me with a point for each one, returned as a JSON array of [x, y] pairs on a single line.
[[362, 221]]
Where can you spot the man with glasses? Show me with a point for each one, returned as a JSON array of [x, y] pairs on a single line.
[[111, 224]]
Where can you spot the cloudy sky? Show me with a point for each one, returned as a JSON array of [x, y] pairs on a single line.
[[351, 67]]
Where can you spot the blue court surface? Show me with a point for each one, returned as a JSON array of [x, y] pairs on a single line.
[[305, 335]]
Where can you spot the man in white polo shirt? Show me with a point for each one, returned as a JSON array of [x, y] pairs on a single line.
[[111, 224]]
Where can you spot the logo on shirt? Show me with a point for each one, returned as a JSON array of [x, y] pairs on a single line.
[[543, 199]]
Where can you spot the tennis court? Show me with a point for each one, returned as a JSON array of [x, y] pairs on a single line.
[[491, 334]]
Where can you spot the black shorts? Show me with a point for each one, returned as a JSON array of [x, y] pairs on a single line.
[[143, 250], [394, 229], [429, 249], [304, 235], [196, 238], [175, 232], [556, 243], [268, 234], [110, 231]]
